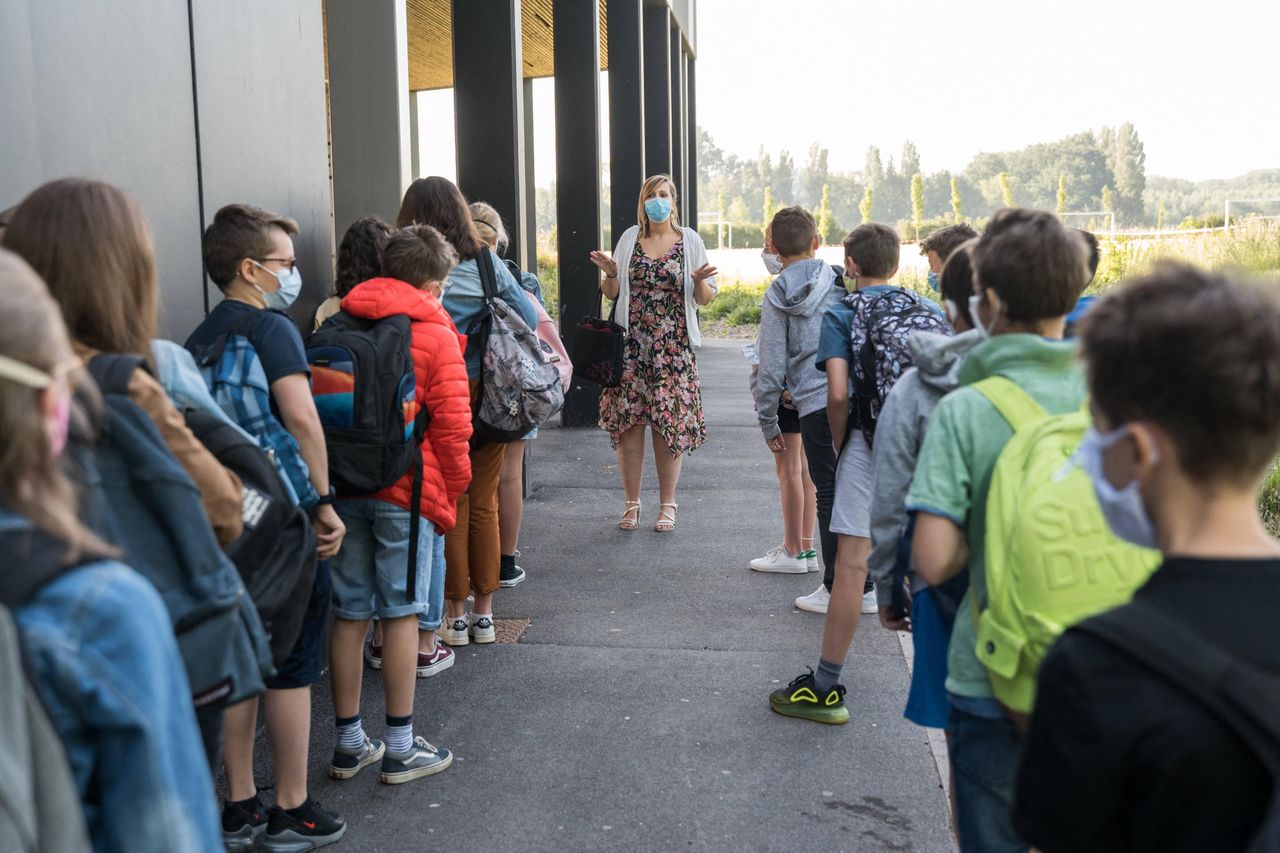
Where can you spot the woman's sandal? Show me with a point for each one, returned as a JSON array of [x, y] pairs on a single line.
[[666, 520], [630, 518]]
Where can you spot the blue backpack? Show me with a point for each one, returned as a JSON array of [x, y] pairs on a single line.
[[138, 497], [232, 370]]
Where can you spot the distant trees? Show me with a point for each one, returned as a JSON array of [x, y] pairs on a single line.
[[868, 199], [1006, 191], [917, 201], [1061, 206], [957, 203], [825, 222]]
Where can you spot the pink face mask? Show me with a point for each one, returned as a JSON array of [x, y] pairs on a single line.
[[58, 426]]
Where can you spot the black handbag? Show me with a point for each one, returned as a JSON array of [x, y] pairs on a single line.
[[598, 349]]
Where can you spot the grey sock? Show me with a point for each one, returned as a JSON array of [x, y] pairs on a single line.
[[827, 676]]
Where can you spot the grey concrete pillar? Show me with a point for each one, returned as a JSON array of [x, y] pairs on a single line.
[[626, 113], [489, 112], [369, 108], [577, 80], [657, 89]]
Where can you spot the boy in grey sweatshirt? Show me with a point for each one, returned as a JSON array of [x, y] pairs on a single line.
[[790, 325]]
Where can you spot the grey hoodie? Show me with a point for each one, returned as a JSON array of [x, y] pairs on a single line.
[[790, 324], [899, 435]]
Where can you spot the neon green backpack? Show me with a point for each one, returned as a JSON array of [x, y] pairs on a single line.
[[1051, 558]]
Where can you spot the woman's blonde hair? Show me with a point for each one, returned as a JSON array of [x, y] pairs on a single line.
[[31, 482], [489, 225], [92, 245], [649, 188]]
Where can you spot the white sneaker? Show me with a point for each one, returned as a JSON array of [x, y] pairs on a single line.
[[869, 602], [814, 602], [780, 562], [481, 628], [811, 560], [454, 631]]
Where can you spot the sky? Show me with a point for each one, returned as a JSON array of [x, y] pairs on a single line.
[[1198, 81]]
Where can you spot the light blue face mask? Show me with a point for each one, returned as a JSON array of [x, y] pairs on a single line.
[[657, 209], [290, 286], [1123, 509], [934, 282]]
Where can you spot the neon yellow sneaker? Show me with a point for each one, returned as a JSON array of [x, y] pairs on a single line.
[[800, 699]]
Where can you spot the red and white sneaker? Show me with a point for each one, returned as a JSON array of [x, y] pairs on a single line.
[[436, 662]]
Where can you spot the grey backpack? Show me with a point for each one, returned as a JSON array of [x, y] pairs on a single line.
[[519, 387]]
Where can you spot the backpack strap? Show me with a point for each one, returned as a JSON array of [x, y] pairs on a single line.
[[1240, 695], [488, 276], [1014, 405], [112, 371]]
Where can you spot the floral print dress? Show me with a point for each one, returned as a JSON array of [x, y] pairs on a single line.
[[659, 376]]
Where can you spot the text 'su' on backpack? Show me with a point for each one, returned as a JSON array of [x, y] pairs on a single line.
[[882, 325], [276, 553], [363, 383], [1051, 558], [138, 497]]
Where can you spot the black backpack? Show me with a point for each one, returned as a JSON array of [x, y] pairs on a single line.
[[138, 497], [363, 383], [276, 553], [1242, 696]]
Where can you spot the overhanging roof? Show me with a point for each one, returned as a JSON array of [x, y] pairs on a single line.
[[431, 41]]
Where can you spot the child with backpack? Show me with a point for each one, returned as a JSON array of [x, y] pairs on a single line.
[[901, 430], [96, 638], [252, 356], [378, 571], [1028, 270], [1155, 724], [862, 350], [473, 549], [790, 326]]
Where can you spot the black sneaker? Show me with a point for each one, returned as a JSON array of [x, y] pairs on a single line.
[[242, 823], [311, 828], [510, 576], [801, 699]]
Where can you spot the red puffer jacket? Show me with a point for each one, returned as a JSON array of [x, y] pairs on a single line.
[[442, 382]]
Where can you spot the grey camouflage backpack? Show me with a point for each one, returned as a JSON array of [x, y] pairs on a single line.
[[519, 387]]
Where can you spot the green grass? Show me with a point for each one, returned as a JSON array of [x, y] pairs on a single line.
[[1269, 500], [1249, 248]]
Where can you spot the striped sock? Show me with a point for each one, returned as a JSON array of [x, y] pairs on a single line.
[[350, 732], [399, 734]]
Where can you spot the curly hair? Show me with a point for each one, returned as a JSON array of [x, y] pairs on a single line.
[[360, 254]]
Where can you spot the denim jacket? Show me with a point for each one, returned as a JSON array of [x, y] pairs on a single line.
[[100, 651]]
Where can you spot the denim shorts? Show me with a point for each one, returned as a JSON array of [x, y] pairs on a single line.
[[307, 659], [432, 619], [371, 571]]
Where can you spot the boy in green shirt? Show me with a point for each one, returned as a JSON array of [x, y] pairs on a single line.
[[1028, 269]]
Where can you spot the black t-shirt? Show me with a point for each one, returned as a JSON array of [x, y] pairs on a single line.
[[273, 335], [1117, 758]]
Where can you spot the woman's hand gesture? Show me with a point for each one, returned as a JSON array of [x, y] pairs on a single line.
[[606, 264], [703, 273]]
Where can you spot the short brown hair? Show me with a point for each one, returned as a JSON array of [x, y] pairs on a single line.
[[437, 202], [240, 231], [945, 240], [1034, 263], [92, 245], [1198, 354], [793, 229], [875, 248], [418, 254]]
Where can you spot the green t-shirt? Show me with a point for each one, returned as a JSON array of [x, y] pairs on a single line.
[[963, 441]]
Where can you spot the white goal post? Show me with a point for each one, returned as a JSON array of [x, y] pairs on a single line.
[[1226, 209], [1109, 214]]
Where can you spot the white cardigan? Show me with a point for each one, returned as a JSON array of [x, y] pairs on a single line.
[[695, 255]]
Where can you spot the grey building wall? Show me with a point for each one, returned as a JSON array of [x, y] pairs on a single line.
[[106, 91]]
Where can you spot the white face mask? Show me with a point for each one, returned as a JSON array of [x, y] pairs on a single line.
[[1123, 509], [290, 286], [771, 262], [984, 329], [952, 312]]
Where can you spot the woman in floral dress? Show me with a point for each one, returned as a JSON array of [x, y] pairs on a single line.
[[659, 275]]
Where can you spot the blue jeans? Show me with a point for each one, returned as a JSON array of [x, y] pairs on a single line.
[[984, 761], [371, 571], [432, 619]]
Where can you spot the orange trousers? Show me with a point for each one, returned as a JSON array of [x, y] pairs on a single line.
[[472, 549]]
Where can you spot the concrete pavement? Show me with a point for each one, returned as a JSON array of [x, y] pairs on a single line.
[[633, 713]]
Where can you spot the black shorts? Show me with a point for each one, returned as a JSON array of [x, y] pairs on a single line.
[[306, 662], [788, 420]]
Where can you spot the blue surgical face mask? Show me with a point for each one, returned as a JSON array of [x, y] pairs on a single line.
[[933, 282], [1123, 509], [657, 209], [290, 286]]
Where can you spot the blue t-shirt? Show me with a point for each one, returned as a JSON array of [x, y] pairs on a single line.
[[834, 340], [273, 335]]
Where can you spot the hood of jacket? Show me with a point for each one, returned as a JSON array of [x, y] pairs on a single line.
[[802, 287], [938, 357], [385, 297]]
